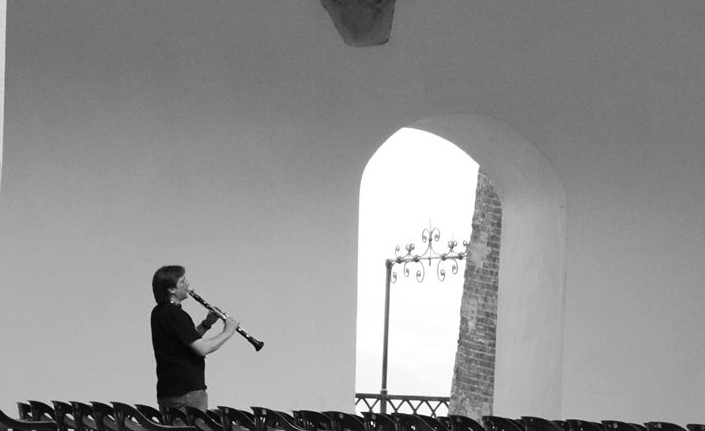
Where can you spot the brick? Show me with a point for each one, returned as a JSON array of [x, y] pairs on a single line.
[[472, 389]]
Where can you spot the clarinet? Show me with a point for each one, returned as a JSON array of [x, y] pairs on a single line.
[[255, 342]]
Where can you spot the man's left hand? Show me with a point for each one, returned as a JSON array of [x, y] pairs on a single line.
[[211, 318]]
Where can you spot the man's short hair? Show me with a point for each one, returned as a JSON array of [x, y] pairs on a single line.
[[164, 279]]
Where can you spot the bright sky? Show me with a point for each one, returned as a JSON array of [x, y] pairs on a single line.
[[413, 180]]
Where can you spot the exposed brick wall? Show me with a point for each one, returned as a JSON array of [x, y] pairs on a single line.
[[472, 390]]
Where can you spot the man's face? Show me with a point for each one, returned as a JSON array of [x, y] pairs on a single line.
[[181, 291]]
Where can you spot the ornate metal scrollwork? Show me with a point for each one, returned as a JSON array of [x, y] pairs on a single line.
[[411, 260]]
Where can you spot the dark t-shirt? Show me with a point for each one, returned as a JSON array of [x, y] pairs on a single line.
[[179, 368]]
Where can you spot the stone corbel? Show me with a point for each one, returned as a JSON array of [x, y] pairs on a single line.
[[362, 22]]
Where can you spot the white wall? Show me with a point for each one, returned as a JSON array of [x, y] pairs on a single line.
[[224, 136], [3, 15]]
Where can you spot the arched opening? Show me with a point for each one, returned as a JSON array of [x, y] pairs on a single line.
[[528, 365], [529, 343], [414, 180]]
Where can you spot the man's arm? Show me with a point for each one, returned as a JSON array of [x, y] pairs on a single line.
[[204, 346]]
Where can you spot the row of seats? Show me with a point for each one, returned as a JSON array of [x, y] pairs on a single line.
[[117, 416], [528, 423]]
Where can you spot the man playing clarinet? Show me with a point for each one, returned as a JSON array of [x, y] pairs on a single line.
[[179, 346]]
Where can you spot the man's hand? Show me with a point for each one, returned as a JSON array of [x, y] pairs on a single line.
[[204, 346], [210, 319], [231, 325]]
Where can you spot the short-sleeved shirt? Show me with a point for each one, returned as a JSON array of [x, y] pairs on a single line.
[[179, 368]]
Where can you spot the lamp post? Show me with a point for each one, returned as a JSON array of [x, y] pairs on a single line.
[[429, 236]]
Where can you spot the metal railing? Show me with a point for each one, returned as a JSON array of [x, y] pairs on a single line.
[[412, 404]]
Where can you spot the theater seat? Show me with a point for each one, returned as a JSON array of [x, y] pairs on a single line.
[[174, 417], [499, 423], [24, 411], [63, 415], [201, 420], [41, 411], [313, 420], [532, 423], [378, 422], [407, 422], [150, 412], [342, 421], [435, 423], [7, 422], [128, 418], [83, 416], [464, 423], [234, 419], [612, 425], [663, 426], [268, 419], [581, 425], [104, 416]]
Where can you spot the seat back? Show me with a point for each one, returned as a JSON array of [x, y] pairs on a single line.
[[201, 420], [174, 417], [313, 420], [499, 423], [128, 418], [268, 420], [41, 411], [285, 416], [581, 425], [7, 422], [63, 415], [378, 422], [444, 420], [663, 426], [435, 423], [533, 423], [260, 417], [246, 413], [24, 411], [408, 422], [84, 419], [342, 421], [611, 425], [464, 423], [150, 412], [234, 419], [104, 416]]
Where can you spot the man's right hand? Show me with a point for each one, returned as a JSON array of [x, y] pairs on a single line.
[[231, 325]]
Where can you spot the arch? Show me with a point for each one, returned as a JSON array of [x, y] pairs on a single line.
[[528, 367], [414, 179]]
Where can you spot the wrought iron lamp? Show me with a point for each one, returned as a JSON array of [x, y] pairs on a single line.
[[411, 260]]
